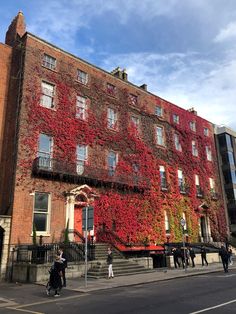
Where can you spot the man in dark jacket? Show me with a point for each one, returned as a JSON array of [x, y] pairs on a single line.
[[192, 255], [224, 258], [64, 264], [203, 255], [176, 257]]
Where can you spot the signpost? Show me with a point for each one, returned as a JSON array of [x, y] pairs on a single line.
[[183, 223], [87, 224]]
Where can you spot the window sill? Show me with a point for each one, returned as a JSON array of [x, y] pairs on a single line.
[[84, 84], [44, 234], [53, 70]]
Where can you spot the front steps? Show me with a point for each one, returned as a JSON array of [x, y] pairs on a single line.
[[121, 267]]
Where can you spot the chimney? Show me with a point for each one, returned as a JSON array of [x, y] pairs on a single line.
[[16, 28], [120, 73], [192, 110], [144, 86]]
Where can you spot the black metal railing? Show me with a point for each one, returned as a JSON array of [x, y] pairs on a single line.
[[67, 171], [183, 188], [42, 254], [214, 195], [200, 192]]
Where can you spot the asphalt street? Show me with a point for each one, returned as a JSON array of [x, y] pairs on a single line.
[[206, 293]]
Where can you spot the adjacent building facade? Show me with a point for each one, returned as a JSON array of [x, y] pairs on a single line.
[[226, 141], [74, 135]]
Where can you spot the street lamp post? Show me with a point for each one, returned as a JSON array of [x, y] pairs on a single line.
[[183, 223]]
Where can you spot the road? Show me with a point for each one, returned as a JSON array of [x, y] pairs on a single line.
[[209, 293]]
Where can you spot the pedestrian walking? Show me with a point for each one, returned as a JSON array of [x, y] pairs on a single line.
[[203, 255], [192, 255], [230, 253], [64, 264], [224, 258], [109, 262], [54, 282], [175, 254]]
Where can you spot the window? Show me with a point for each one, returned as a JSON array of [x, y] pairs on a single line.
[[167, 224], [184, 217], [47, 98], [197, 184], [41, 211], [111, 119], [112, 162], [82, 77], [135, 122], [45, 148], [49, 62], [231, 158], [160, 135], [206, 131], [133, 100], [192, 126], [163, 180], [176, 118], [111, 89], [181, 182], [212, 184], [81, 158], [177, 143], [81, 108], [159, 111], [194, 149], [208, 153]]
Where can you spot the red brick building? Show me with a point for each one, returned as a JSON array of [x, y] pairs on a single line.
[[74, 135]]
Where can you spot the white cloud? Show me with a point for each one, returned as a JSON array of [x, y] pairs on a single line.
[[187, 80], [227, 33]]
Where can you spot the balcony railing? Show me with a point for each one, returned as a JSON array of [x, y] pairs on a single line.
[[76, 173], [214, 195]]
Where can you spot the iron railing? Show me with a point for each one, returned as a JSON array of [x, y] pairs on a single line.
[[68, 171]]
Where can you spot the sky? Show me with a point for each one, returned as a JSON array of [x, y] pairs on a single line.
[[184, 50]]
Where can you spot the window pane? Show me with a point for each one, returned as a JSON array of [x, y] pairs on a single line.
[[41, 202], [40, 222]]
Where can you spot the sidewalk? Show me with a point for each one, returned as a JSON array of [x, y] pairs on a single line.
[[78, 284]]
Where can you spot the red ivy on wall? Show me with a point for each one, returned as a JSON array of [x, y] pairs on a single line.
[[134, 216]]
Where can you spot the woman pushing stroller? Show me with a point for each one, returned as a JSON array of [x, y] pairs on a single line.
[[55, 282]]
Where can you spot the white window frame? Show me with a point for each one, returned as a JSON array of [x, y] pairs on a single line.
[[206, 131], [81, 107], [159, 111], [212, 184], [111, 119], [184, 217], [135, 121], [177, 143], [82, 77], [192, 125], [208, 153], [167, 223], [176, 118], [48, 214], [45, 156], [81, 159], [112, 168], [194, 149], [163, 180], [49, 62], [181, 180], [48, 94], [160, 138]]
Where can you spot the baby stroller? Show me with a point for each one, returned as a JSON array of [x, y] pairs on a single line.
[[54, 282]]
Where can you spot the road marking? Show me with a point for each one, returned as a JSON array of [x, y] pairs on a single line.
[[22, 310], [213, 307], [20, 307]]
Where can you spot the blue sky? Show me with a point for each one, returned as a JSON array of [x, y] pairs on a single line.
[[184, 50]]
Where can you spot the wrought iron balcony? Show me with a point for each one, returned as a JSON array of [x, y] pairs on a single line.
[[61, 170], [214, 195]]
